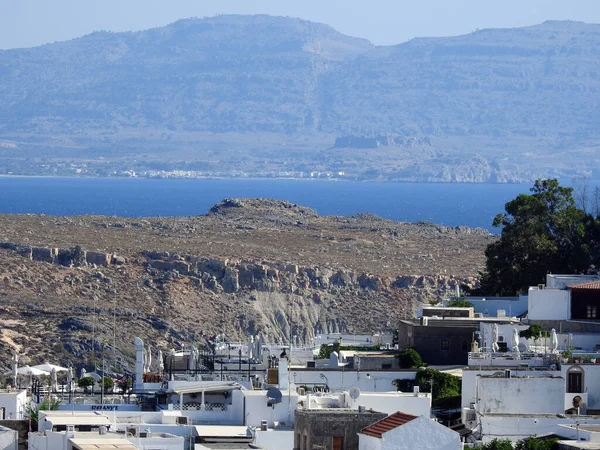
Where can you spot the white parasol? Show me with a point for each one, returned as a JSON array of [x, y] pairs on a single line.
[[553, 341], [27, 370], [515, 347], [47, 367], [495, 347]]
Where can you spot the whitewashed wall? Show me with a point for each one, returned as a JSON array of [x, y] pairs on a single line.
[[344, 380], [391, 403], [8, 439], [535, 395], [421, 434], [469, 381], [275, 439], [515, 428], [591, 382], [257, 409], [549, 304]]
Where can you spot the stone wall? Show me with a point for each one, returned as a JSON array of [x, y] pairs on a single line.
[[317, 428]]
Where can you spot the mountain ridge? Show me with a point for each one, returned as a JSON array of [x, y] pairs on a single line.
[[263, 95]]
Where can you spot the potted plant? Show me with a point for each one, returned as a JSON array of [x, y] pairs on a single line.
[[588, 359], [566, 356]]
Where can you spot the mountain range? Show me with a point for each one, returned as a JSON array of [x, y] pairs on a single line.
[[275, 96]]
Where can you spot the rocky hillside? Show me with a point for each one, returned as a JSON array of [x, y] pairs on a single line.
[[274, 96], [66, 283]]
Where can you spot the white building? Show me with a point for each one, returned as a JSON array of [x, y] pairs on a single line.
[[12, 404], [401, 431], [565, 297]]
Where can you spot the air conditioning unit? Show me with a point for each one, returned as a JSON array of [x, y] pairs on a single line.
[[301, 391], [263, 425], [471, 416], [132, 431], [182, 420], [143, 434]]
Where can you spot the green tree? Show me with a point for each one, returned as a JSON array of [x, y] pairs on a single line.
[[534, 332], [33, 411], [85, 383], [108, 383], [543, 232], [409, 358], [441, 385], [496, 444], [537, 444], [459, 303]]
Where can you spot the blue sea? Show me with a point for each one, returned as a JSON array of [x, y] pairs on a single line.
[[473, 205]]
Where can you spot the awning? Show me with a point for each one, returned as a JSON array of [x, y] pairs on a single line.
[[78, 420], [207, 388], [102, 444]]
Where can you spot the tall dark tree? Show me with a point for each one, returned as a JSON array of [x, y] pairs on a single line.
[[542, 232]]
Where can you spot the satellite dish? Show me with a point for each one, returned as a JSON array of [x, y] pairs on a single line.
[[274, 395], [354, 393], [47, 426], [577, 400]]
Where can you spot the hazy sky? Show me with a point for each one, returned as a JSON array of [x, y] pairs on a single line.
[[26, 23]]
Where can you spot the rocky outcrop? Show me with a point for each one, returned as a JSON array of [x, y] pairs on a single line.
[[74, 256]]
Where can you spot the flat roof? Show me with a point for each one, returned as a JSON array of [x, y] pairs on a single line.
[[103, 444]]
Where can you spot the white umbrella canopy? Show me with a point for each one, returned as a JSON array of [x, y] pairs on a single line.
[[46, 367], [27, 370]]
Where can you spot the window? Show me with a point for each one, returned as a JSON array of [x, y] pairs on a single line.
[[445, 344], [591, 312], [386, 365]]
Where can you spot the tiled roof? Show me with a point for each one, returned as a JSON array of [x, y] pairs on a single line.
[[389, 423], [587, 285]]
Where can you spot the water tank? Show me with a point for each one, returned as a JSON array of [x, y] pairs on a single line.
[[416, 391]]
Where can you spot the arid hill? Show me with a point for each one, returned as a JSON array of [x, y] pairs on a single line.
[[71, 286]]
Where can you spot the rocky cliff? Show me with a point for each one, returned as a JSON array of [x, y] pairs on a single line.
[[236, 271]]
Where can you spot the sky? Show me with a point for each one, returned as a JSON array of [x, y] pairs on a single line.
[[28, 23]]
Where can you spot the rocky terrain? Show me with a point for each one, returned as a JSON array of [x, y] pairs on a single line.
[[73, 286], [262, 96]]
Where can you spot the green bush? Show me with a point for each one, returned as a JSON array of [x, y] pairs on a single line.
[[409, 358]]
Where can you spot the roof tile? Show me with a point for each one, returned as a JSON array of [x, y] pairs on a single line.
[[389, 423], [595, 285]]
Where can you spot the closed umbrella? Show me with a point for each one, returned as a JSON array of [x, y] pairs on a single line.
[[495, 347], [515, 347], [161, 363], [553, 341], [53, 381], [70, 379], [15, 372]]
